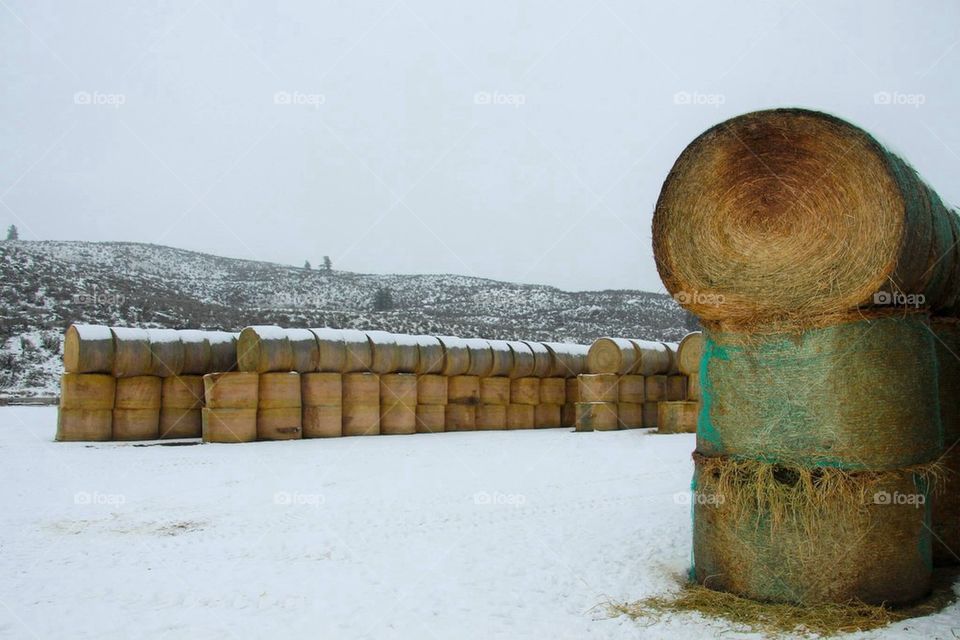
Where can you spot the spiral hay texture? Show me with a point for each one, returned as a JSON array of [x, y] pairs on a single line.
[[786, 219]]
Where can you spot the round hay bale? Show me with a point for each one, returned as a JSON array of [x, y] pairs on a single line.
[[674, 367], [463, 390], [572, 390], [322, 421], [568, 414], [398, 389], [597, 416], [331, 349], [279, 390], [196, 352], [166, 352], [430, 357], [304, 349], [136, 424], [812, 399], [140, 392], [88, 391], [553, 391], [456, 355], [223, 351], [359, 355], [502, 358], [481, 357], [599, 387], [945, 502], [182, 392], [491, 417], [383, 346], [264, 348], [630, 388], [361, 388], [791, 218], [676, 388], [542, 359], [693, 386], [521, 416], [655, 388], [360, 419], [408, 353], [630, 415], [612, 355], [654, 358], [432, 389], [233, 390], [88, 348], [677, 417], [229, 425], [131, 352], [524, 362], [280, 423], [495, 391], [177, 422], [690, 352], [431, 418], [525, 391], [794, 534], [651, 415], [547, 416], [80, 425], [461, 417], [320, 389], [569, 360], [398, 419]]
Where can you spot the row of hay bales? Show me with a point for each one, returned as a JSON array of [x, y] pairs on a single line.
[[827, 277]]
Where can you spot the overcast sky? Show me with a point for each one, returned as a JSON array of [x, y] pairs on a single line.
[[523, 141]]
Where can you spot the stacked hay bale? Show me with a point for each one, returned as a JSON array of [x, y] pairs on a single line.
[[631, 394], [279, 407], [597, 406], [678, 414], [322, 404], [431, 386], [495, 386], [398, 403], [230, 412], [181, 404], [553, 395], [86, 406], [787, 233]]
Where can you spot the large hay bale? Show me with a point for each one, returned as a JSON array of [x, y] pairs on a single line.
[[408, 353], [572, 390], [263, 349], [321, 389], [676, 388], [182, 392], [495, 391], [196, 352], [136, 424], [524, 362], [384, 348], [88, 348], [481, 357], [525, 391], [597, 416], [630, 415], [677, 417], [569, 360], [651, 415], [456, 355], [690, 352], [431, 418], [280, 423], [432, 389], [398, 403], [131, 352], [461, 417], [463, 390], [305, 350], [630, 388], [491, 417], [521, 416], [430, 358], [223, 351], [176, 422], [361, 404], [945, 502], [166, 352], [331, 350], [322, 421], [612, 355], [139, 392], [568, 415], [88, 391], [654, 358], [542, 359], [279, 390], [359, 351], [232, 390], [655, 388], [790, 218], [82, 425], [547, 416], [553, 391], [598, 387], [813, 399], [795, 534], [502, 358], [227, 425]]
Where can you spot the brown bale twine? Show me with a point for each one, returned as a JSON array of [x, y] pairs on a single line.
[[463, 390], [196, 352], [139, 392], [229, 425], [136, 424], [542, 359], [430, 359], [88, 349], [131, 352], [408, 353], [599, 387], [331, 350], [786, 533], [791, 218], [80, 425], [263, 349], [279, 390], [651, 415], [521, 416], [359, 351], [322, 421], [232, 390], [524, 361], [181, 392], [461, 417], [178, 422], [569, 360], [676, 388], [525, 391], [630, 388], [495, 391], [304, 349], [432, 389], [491, 417], [88, 391], [481, 357], [630, 415], [456, 355], [166, 352], [383, 346], [553, 391], [431, 418], [547, 416], [223, 351], [280, 423], [612, 355], [677, 417], [597, 416], [690, 352], [502, 358], [655, 388], [321, 389]]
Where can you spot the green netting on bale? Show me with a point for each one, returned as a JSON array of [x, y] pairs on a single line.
[[859, 395], [945, 516], [781, 533]]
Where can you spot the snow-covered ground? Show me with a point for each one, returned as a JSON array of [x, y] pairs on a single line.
[[521, 534]]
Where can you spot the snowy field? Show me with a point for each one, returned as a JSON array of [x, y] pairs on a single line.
[[521, 534]]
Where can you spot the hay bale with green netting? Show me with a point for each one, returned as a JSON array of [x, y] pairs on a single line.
[[945, 507]]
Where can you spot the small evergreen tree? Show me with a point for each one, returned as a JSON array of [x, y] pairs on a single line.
[[327, 263], [306, 265], [383, 300], [12, 233]]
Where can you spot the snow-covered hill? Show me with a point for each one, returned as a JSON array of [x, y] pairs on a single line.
[[44, 286]]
